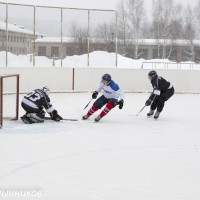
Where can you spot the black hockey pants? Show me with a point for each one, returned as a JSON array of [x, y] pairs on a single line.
[[159, 101]]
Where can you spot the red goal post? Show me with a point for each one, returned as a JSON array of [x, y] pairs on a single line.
[[15, 84]]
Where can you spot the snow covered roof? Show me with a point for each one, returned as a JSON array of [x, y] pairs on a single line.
[[141, 42], [15, 28], [151, 42]]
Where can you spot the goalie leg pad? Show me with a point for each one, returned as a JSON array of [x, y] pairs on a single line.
[[35, 118]]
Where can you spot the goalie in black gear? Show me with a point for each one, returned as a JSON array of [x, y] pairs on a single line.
[[34, 104], [162, 92]]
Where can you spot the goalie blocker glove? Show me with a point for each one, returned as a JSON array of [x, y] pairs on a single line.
[[55, 116]]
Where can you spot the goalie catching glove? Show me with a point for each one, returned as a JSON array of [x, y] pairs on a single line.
[[55, 116]]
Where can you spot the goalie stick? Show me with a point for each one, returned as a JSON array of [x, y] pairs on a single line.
[[72, 120]]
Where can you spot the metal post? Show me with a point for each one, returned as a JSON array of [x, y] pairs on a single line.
[[116, 62], [88, 59], [1, 101], [17, 99], [61, 36], [73, 79], [34, 22], [6, 35]]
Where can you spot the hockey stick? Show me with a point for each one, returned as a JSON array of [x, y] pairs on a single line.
[[141, 110], [145, 106], [88, 104], [72, 120]]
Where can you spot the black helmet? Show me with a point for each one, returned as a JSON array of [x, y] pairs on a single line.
[[106, 77], [152, 73]]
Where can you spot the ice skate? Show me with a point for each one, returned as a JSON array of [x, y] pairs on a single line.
[[98, 118], [85, 117], [156, 116], [151, 112]]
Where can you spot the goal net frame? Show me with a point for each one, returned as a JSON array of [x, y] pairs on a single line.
[[2, 79]]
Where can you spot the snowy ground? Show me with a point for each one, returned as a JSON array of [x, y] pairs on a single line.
[[123, 157]]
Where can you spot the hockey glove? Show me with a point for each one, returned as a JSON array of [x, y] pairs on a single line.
[[148, 102], [121, 104], [94, 95], [55, 116]]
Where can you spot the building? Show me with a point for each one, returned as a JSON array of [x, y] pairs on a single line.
[[19, 39], [175, 50], [52, 47]]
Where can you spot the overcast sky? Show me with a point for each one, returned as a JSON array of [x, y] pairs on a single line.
[[103, 4], [45, 19]]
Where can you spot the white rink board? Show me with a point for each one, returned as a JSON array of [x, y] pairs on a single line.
[[86, 79], [59, 80]]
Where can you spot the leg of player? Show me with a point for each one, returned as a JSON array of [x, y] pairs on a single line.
[[160, 106], [92, 110], [98, 104], [161, 101], [106, 110], [153, 107], [32, 115]]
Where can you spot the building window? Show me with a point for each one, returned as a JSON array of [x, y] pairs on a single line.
[[42, 51], [54, 51]]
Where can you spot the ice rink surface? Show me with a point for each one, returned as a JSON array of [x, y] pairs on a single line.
[[123, 157]]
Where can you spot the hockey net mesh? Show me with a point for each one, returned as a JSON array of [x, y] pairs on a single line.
[[9, 99]]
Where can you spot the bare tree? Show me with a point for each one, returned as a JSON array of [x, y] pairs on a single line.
[[122, 21], [197, 19], [122, 27], [163, 14], [80, 36], [136, 13], [189, 30], [106, 33]]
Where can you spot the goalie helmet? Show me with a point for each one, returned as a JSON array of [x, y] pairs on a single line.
[[46, 90]]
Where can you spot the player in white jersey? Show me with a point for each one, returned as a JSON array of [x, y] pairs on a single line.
[[112, 96]]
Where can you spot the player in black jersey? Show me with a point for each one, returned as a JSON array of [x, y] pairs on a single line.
[[162, 92], [34, 104]]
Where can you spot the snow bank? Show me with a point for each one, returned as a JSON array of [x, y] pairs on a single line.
[[98, 59]]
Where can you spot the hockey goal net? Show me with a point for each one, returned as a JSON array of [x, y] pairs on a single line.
[[9, 97]]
